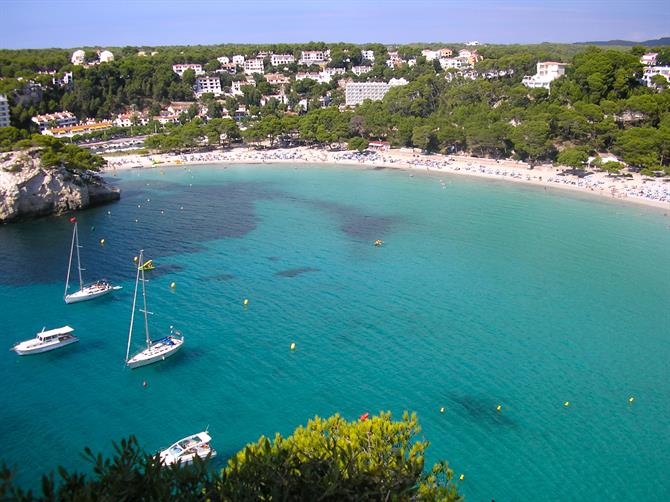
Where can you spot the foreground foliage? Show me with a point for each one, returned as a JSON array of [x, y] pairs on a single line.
[[329, 459], [52, 151]]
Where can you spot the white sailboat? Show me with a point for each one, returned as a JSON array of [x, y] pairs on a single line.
[[45, 341], [185, 450], [86, 291], [157, 350]]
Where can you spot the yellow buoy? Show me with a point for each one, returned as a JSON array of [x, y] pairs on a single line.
[[461, 477], [631, 399], [102, 242], [245, 302], [292, 345], [442, 409], [135, 258], [566, 404], [173, 285], [499, 407]]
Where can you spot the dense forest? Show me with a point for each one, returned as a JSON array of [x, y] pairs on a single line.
[[600, 105]]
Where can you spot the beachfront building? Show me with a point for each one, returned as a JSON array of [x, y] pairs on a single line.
[[649, 72], [78, 57], [130, 119], [58, 119], [649, 59], [360, 70], [4, 111], [106, 57], [282, 59], [547, 72], [204, 85], [254, 66], [238, 59], [223, 59], [312, 57], [368, 55], [74, 130], [179, 69]]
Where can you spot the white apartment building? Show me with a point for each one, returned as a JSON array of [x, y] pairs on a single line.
[[106, 57], [179, 69], [238, 59], [60, 119], [254, 66], [313, 75], [458, 63], [547, 72], [237, 85], [280, 59], [312, 57], [78, 57], [649, 59], [129, 119], [368, 55], [4, 111], [357, 92], [360, 70], [204, 85], [430, 54], [651, 71], [223, 60]]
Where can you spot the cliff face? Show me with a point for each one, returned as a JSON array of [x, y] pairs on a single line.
[[28, 190]]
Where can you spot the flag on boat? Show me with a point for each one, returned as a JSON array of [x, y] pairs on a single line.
[[73, 220]]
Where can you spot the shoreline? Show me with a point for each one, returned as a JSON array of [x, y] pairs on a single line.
[[637, 189]]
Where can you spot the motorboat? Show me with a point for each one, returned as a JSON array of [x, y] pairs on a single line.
[[185, 450], [46, 341], [156, 350]]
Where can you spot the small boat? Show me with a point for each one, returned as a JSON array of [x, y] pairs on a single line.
[[86, 291], [157, 350], [148, 265], [45, 341], [185, 450]]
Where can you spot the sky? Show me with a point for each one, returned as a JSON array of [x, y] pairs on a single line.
[[76, 23]]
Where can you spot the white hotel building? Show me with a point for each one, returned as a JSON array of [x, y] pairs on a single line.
[[312, 57], [357, 92], [179, 69], [204, 85], [4, 111], [280, 59], [547, 72], [254, 66]]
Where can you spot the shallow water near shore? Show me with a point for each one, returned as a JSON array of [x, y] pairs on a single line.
[[483, 294]]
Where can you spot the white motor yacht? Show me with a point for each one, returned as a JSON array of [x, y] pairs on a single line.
[[185, 450], [46, 340]]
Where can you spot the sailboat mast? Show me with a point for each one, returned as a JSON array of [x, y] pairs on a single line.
[[132, 316], [144, 298], [69, 263], [81, 282]]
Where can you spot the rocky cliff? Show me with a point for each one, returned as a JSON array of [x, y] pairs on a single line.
[[28, 190]]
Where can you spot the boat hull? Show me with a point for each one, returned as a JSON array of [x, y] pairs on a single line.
[[155, 354], [82, 296], [43, 348]]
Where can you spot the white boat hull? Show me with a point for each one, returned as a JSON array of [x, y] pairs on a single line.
[[88, 294], [157, 352], [24, 349]]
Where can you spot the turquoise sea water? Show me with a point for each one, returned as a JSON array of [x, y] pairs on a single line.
[[484, 293]]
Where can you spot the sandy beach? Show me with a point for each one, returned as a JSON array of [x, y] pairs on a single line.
[[638, 188]]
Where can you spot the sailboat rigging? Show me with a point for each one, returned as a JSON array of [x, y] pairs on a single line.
[[86, 291], [157, 350]]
